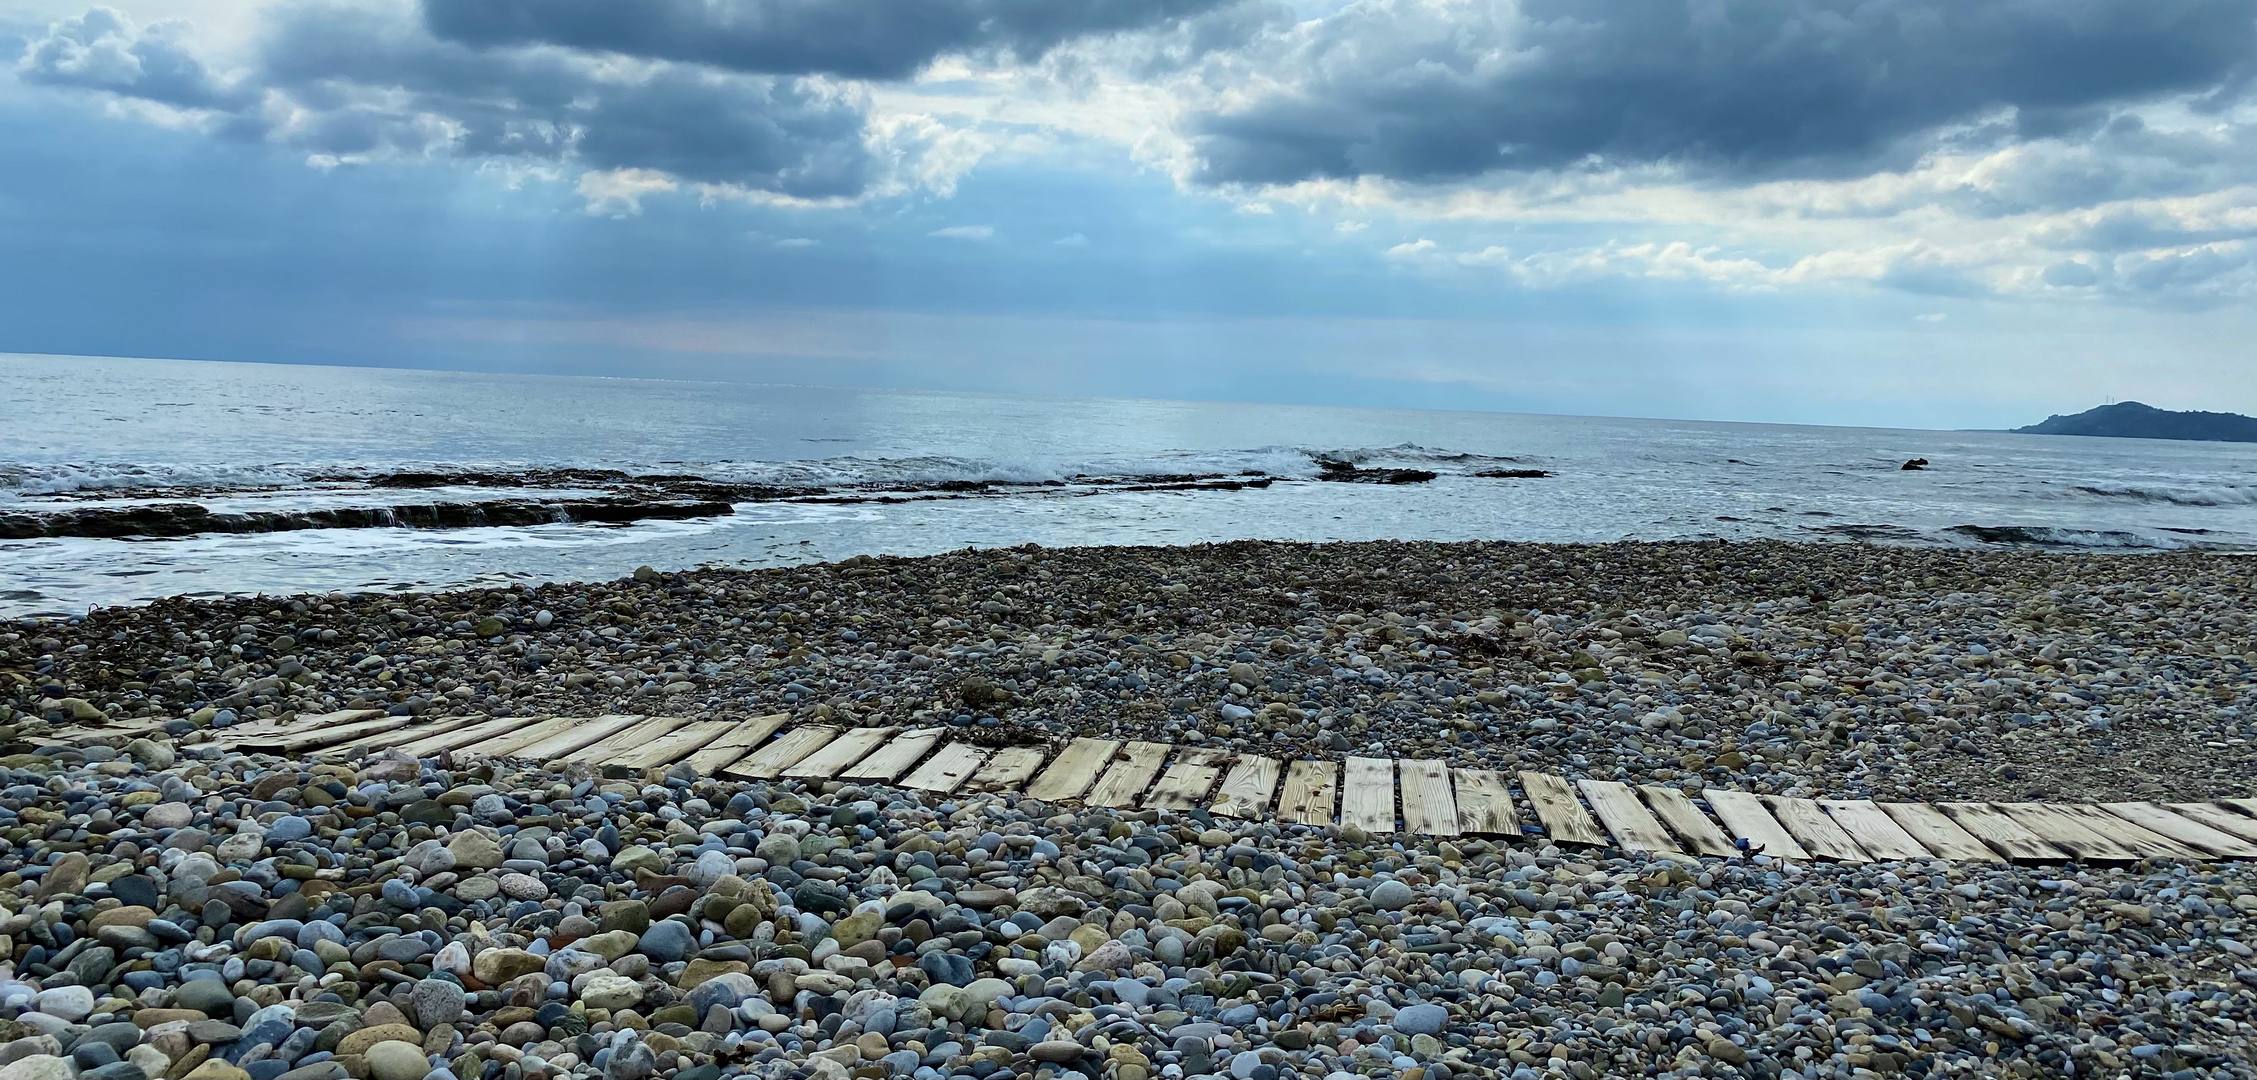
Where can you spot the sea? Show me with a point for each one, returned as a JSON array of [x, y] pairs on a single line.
[[983, 470]]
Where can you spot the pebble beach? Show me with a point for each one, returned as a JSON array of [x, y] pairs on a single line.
[[174, 909]]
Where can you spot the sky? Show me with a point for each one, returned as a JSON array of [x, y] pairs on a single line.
[[1940, 213]]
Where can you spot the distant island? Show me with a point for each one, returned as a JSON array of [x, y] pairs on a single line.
[[2132, 420]]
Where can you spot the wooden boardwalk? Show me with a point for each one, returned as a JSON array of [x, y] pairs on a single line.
[[1380, 796]]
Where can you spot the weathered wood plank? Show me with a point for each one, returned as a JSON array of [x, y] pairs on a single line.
[[771, 759], [661, 753], [1428, 807], [735, 743], [296, 741], [509, 742], [1311, 790], [1744, 813], [2141, 842], [2219, 818], [1626, 819], [1074, 771], [1874, 830], [1936, 831], [1188, 780], [896, 757], [1564, 818], [1247, 787], [259, 729], [605, 750], [2246, 806], [2067, 833], [1123, 783], [2002, 833], [574, 738], [1485, 803], [1008, 770], [840, 753], [2194, 834], [425, 744], [399, 736], [1367, 795], [946, 771], [1686, 820], [1817, 833]]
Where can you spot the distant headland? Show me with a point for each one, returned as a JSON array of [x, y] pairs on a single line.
[[2132, 420]]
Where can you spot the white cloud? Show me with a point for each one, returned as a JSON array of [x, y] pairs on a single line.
[[1072, 240], [619, 192], [796, 242], [965, 232]]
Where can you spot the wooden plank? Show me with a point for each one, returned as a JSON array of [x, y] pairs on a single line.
[[1188, 780], [2194, 834], [897, 756], [1367, 795], [424, 743], [735, 744], [2143, 843], [1247, 787], [398, 736], [1692, 827], [1744, 814], [1626, 819], [664, 751], [1937, 832], [259, 729], [1133, 768], [1874, 830], [1311, 791], [1075, 769], [1564, 818], [1485, 803], [946, 771], [2068, 834], [87, 735], [770, 760], [509, 742], [2219, 818], [837, 754], [573, 738], [297, 741], [2246, 806], [1428, 807], [1008, 770], [611, 747], [1817, 833], [2001, 833]]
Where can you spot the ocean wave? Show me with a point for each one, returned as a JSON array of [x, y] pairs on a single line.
[[2210, 495], [64, 478], [2048, 536]]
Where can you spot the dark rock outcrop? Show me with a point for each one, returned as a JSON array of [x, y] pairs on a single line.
[[2133, 420]]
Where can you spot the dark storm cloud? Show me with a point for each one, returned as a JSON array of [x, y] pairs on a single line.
[[346, 81], [864, 39], [1426, 90]]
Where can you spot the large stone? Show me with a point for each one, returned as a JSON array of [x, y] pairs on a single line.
[[1391, 896], [611, 992], [1422, 1019], [666, 942], [474, 850], [397, 1061], [632, 916], [497, 966], [38, 1067], [857, 928], [635, 857], [436, 1002], [358, 1042], [66, 878]]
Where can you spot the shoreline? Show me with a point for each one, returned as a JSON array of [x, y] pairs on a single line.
[[1838, 670], [175, 907]]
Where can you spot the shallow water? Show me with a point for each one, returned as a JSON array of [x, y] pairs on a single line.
[[85, 431]]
